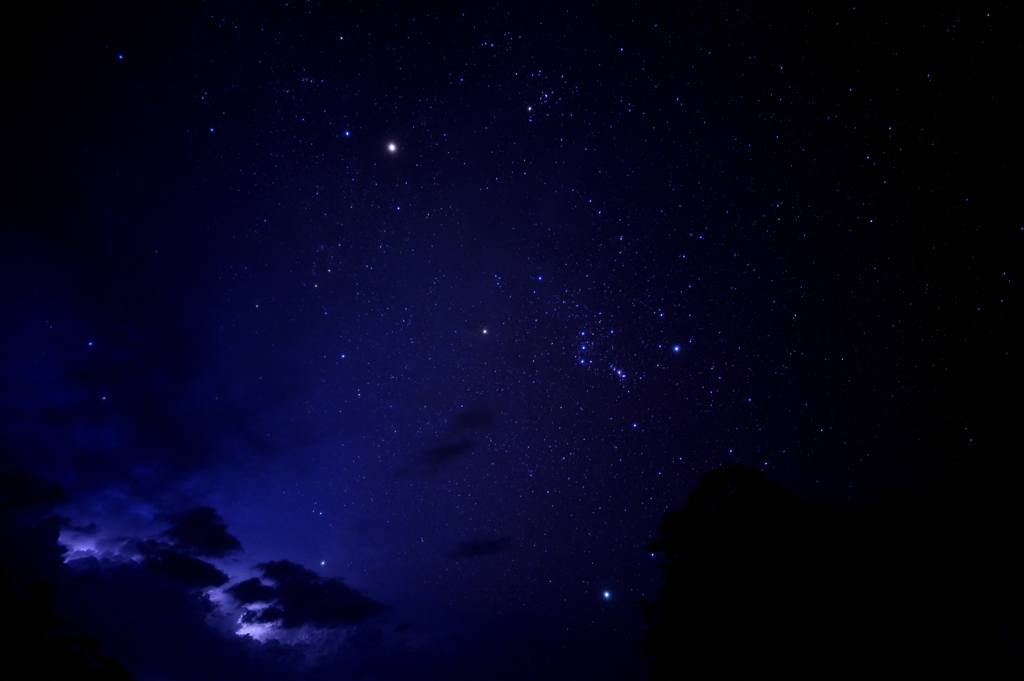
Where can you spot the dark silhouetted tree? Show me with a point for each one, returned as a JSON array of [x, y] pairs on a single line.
[[32, 650], [758, 581]]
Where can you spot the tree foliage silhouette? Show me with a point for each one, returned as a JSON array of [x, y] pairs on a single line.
[[758, 580], [31, 649]]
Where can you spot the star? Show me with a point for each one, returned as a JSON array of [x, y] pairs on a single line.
[[607, 595]]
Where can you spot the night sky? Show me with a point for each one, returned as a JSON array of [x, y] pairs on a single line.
[[375, 342]]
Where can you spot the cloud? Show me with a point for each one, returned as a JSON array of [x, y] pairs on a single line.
[[430, 461], [298, 596], [202, 532], [152, 615], [268, 615], [181, 567], [160, 627], [483, 547], [252, 591], [90, 530], [473, 418], [28, 531], [20, 491], [123, 396]]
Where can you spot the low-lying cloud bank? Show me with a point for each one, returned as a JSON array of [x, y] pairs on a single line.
[[162, 607]]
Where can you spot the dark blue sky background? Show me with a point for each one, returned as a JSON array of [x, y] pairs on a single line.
[[611, 249]]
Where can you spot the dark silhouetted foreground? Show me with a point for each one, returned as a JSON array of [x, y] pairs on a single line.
[[32, 651], [759, 581]]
